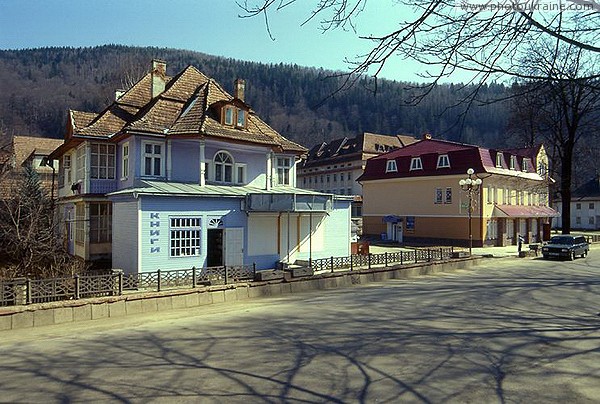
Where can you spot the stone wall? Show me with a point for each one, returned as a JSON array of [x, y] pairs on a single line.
[[44, 314]]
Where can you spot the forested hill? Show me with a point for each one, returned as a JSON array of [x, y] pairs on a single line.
[[38, 86]]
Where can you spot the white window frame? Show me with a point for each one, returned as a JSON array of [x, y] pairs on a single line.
[[240, 173], [125, 161], [100, 222], [525, 165], [283, 170], [391, 167], [65, 171], [80, 223], [106, 156], [185, 236], [513, 162], [443, 161], [80, 157], [416, 164], [439, 196], [448, 195], [499, 160], [153, 156], [220, 167]]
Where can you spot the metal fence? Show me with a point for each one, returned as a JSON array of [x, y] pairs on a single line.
[[332, 264], [28, 291]]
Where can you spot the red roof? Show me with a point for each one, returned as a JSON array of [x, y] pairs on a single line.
[[461, 157]]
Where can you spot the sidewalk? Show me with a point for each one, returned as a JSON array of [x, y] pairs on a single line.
[[496, 252]]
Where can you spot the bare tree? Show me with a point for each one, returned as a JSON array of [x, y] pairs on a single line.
[[446, 36], [561, 110], [553, 54], [28, 244]]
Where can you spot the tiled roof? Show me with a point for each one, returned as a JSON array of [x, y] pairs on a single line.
[[461, 156], [81, 119], [589, 190], [138, 95], [369, 143], [15, 153], [24, 146], [188, 106]]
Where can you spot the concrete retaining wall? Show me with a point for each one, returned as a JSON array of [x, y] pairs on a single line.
[[37, 315]]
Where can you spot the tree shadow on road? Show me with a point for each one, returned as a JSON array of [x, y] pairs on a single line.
[[490, 337]]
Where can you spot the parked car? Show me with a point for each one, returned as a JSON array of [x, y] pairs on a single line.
[[566, 246]]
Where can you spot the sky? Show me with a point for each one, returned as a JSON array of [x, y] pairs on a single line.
[[209, 26]]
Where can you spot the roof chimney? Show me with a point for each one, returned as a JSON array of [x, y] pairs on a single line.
[[159, 77], [426, 136], [240, 89]]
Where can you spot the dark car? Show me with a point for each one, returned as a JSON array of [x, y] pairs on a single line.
[[566, 246]]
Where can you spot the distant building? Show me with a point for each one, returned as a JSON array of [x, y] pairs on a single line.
[[413, 194], [585, 206], [20, 151], [333, 167]]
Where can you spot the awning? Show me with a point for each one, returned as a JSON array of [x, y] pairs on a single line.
[[523, 211], [392, 219]]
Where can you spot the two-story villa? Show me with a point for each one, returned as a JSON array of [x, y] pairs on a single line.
[[177, 173], [413, 194]]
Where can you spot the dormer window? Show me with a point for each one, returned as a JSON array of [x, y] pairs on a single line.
[[513, 162], [416, 164], [390, 166], [232, 116], [241, 118], [443, 161], [499, 160], [228, 115], [525, 167]]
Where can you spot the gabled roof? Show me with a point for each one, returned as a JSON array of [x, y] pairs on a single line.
[[461, 157], [589, 190], [367, 143], [23, 147], [189, 106]]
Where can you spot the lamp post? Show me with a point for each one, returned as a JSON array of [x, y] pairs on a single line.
[[471, 186]]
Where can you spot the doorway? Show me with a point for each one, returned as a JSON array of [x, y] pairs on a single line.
[[214, 248]]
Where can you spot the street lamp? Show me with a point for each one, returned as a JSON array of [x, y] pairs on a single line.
[[471, 186]]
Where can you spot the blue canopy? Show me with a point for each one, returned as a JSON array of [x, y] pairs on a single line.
[[392, 219]]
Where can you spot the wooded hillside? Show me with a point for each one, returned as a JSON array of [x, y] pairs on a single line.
[[38, 86]]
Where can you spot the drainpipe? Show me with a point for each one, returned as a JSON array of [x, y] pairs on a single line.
[[269, 169], [288, 237], [202, 164]]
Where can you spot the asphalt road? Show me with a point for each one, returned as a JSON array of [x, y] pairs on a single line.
[[511, 330]]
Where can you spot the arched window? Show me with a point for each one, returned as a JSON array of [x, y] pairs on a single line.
[[223, 163]]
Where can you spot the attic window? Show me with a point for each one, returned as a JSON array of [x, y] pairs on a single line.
[[233, 116], [241, 118], [525, 167], [416, 164], [499, 160], [513, 162], [443, 161], [228, 116], [391, 167]]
